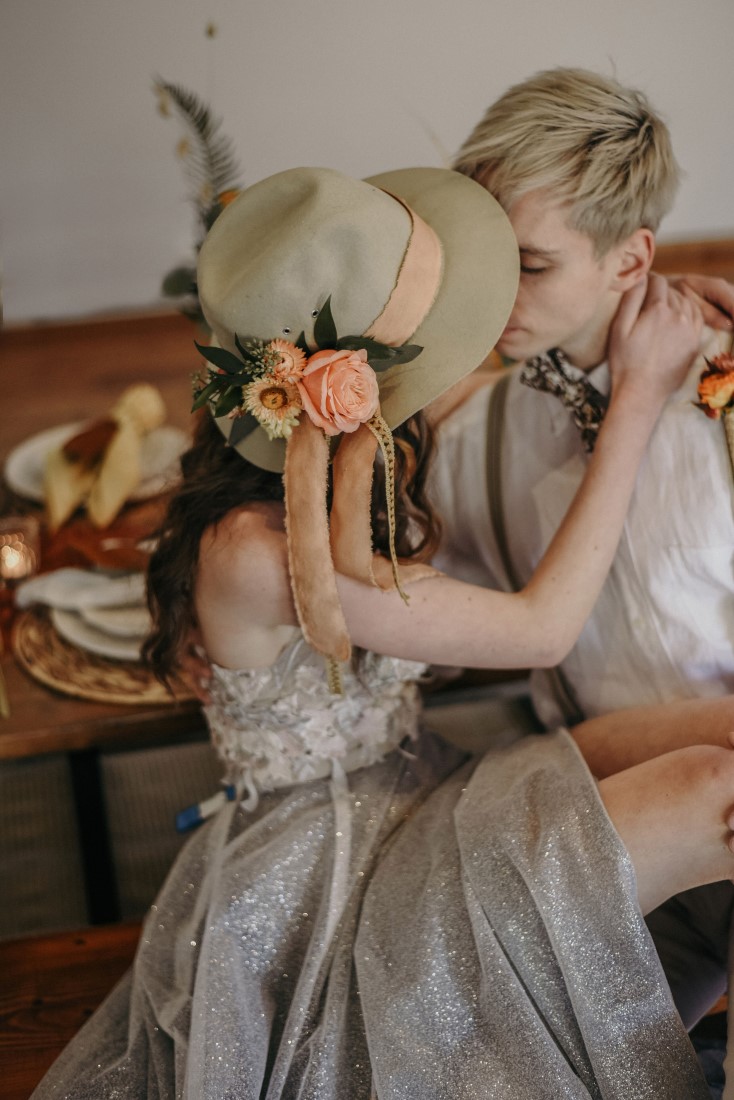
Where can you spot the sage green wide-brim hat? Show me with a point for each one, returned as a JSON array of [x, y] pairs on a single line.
[[292, 241]]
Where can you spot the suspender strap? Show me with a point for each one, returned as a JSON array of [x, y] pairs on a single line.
[[495, 434], [555, 678]]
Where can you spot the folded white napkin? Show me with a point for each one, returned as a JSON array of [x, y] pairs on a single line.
[[74, 589]]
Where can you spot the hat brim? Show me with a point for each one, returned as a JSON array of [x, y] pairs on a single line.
[[478, 287]]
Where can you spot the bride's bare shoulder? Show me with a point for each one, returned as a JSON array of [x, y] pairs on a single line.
[[258, 525], [244, 557]]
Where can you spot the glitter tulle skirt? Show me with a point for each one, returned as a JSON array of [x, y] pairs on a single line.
[[488, 945]]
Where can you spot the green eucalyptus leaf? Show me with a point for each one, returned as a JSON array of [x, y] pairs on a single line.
[[229, 400], [324, 330], [222, 382], [221, 358], [242, 379], [301, 343], [203, 396], [374, 349], [356, 343], [406, 353], [241, 428], [380, 353]]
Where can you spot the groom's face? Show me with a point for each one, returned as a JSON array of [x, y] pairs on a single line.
[[565, 297]]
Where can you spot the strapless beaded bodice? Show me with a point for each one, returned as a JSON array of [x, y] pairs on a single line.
[[281, 725]]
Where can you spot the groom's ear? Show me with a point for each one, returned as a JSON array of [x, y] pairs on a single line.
[[634, 257]]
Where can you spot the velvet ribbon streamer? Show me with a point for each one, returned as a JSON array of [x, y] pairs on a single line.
[[319, 544]]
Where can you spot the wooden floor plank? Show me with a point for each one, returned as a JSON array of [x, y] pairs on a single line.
[[49, 987]]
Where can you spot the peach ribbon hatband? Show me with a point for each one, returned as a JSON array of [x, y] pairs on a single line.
[[416, 286]]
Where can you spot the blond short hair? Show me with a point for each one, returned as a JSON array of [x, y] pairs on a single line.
[[588, 140]]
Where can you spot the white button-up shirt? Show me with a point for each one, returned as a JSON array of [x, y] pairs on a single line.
[[663, 626]]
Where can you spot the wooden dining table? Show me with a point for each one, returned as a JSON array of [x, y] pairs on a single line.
[[58, 374]]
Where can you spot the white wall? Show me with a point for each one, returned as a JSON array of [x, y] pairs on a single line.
[[94, 204]]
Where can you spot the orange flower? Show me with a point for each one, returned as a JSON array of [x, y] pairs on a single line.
[[339, 390], [716, 386], [287, 360]]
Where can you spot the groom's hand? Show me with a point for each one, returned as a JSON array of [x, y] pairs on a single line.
[[653, 339]]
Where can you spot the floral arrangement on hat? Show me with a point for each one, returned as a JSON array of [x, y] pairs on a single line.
[[716, 394], [272, 382]]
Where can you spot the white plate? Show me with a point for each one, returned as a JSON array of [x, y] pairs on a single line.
[[159, 455], [76, 589], [75, 630], [121, 622]]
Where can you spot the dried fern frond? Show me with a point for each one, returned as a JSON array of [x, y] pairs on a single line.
[[207, 156]]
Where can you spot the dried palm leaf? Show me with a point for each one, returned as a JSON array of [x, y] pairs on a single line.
[[207, 155]]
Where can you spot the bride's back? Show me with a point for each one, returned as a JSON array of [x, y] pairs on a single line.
[[242, 596]]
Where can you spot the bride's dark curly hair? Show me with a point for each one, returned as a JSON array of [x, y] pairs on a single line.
[[216, 479]]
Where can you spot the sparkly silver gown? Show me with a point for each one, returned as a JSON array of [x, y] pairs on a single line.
[[375, 915]]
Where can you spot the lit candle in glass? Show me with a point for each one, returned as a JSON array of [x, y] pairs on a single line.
[[19, 548]]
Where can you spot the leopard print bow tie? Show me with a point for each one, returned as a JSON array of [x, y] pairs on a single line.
[[587, 406]]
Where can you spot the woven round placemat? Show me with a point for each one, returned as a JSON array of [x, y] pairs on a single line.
[[58, 664]]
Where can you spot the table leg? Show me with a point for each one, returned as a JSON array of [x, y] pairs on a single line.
[[103, 905]]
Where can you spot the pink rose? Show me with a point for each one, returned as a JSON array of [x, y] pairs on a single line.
[[339, 390]]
